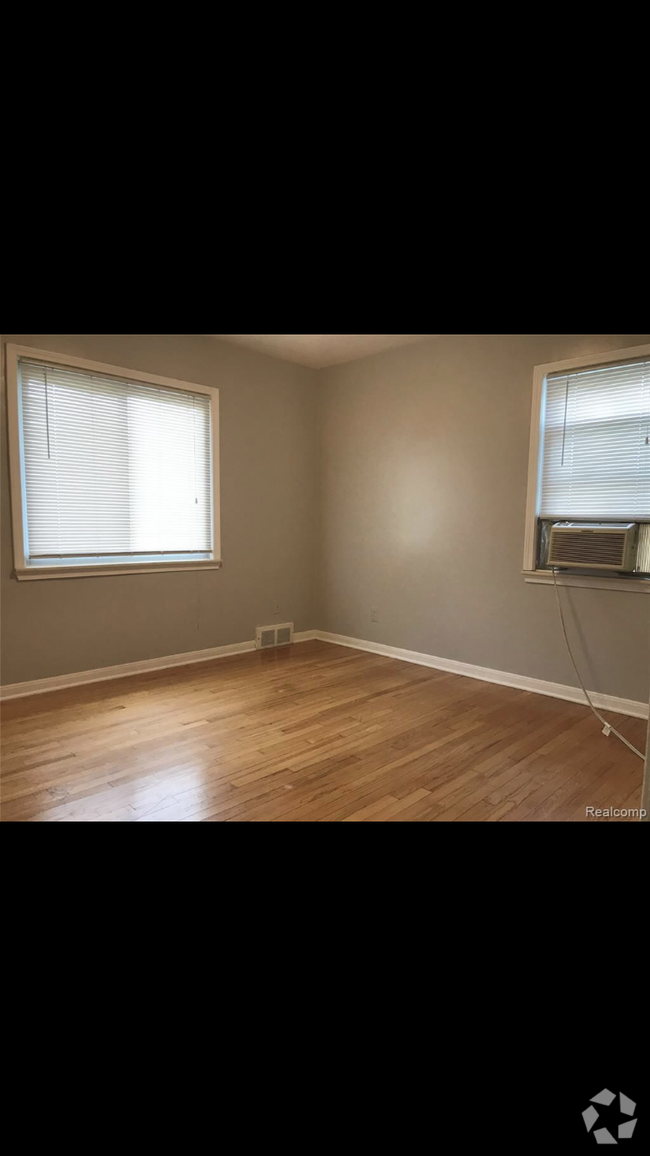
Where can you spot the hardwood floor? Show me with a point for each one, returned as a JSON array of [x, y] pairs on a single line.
[[315, 733]]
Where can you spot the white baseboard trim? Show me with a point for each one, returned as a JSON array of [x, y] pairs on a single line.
[[125, 669], [485, 674]]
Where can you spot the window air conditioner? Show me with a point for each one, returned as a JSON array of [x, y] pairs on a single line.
[[593, 545]]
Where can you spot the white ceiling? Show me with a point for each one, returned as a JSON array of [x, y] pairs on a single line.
[[320, 350]]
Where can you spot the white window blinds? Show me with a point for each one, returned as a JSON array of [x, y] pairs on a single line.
[[113, 467], [597, 444]]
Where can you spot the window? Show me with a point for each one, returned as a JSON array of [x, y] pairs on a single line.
[[590, 449], [596, 460], [112, 471]]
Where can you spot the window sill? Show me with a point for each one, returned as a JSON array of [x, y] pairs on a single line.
[[39, 573], [628, 585]]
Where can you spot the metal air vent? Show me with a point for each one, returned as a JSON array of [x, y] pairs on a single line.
[[268, 637]]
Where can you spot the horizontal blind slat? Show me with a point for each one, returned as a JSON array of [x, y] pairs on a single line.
[[114, 467], [596, 450]]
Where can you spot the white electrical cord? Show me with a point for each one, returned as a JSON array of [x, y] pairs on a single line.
[[607, 727], [645, 789]]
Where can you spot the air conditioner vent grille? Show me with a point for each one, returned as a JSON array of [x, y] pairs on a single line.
[[268, 637], [589, 547], [593, 547]]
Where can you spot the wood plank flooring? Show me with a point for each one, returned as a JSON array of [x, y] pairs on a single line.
[[314, 733]]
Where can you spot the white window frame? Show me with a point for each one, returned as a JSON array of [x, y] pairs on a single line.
[[22, 568], [542, 577]]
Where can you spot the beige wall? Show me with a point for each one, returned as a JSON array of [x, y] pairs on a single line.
[[424, 471], [268, 499], [422, 456]]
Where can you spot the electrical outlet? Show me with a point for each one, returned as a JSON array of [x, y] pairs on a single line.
[[374, 614], [276, 610]]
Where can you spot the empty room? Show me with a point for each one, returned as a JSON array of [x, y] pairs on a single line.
[[325, 578]]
